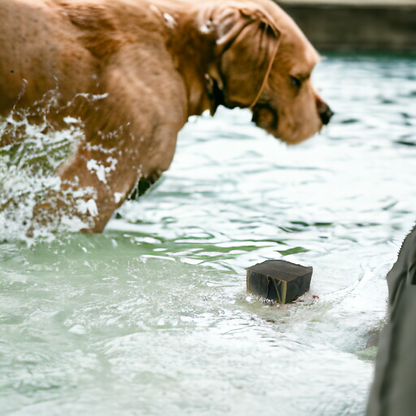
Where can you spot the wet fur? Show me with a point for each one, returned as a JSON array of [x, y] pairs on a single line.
[[133, 71]]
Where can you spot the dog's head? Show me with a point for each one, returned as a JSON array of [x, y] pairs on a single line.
[[264, 62]]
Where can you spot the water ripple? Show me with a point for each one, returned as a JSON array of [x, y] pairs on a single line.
[[152, 317]]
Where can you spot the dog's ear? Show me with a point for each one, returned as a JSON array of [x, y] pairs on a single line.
[[247, 41]]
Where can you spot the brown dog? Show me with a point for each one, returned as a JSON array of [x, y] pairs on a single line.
[[133, 71]]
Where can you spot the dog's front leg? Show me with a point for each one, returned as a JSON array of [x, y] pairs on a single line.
[[101, 174], [95, 181]]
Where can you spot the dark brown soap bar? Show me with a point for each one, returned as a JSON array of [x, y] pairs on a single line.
[[279, 280]]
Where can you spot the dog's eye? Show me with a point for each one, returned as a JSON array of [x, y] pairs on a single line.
[[295, 81]]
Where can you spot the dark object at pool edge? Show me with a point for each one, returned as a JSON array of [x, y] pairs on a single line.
[[279, 280]]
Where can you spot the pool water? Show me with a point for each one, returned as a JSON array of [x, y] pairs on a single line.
[[152, 316]]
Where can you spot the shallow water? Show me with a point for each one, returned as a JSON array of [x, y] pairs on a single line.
[[152, 317]]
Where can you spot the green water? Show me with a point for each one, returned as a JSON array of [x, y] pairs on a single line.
[[152, 317]]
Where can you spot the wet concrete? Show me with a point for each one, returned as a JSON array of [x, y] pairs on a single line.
[[351, 25]]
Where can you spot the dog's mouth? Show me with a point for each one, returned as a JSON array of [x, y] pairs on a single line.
[[265, 117]]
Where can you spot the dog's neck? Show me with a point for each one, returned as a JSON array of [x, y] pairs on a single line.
[[193, 53]]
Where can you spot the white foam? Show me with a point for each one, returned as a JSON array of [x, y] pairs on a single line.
[[170, 21], [118, 196]]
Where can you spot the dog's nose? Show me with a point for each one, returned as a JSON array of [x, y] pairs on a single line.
[[325, 113]]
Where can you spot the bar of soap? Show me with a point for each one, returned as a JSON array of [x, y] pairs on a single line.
[[279, 280]]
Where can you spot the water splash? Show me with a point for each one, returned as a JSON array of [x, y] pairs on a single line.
[[32, 147], [29, 155]]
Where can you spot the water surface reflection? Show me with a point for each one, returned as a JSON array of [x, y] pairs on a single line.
[[152, 318]]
